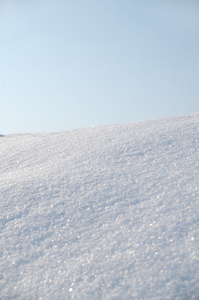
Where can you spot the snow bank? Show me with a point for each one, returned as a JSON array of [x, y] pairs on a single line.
[[101, 213]]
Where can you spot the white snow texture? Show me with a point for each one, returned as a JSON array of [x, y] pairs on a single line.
[[106, 212]]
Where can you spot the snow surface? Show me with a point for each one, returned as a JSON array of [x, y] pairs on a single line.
[[101, 213]]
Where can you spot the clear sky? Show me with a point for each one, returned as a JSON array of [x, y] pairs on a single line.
[[73, 64]]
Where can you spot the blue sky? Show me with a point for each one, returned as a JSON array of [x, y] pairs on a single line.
[[73, 64]]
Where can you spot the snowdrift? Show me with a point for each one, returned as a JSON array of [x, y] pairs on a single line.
[[101, 213]]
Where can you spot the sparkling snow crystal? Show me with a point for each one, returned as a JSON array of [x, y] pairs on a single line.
[[101, 213]]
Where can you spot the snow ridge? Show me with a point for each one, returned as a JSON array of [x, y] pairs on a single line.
[[107, 212]]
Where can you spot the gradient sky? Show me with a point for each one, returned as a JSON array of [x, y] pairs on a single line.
[[68, 64]]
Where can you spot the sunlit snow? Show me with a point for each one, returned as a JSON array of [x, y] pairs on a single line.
[[106, 212]]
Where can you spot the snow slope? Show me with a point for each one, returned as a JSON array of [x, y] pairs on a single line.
[[101, 213]]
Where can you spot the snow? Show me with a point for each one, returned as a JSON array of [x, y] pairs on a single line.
[[106, 212]]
